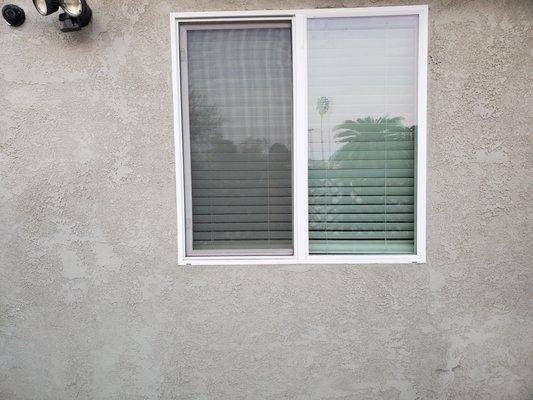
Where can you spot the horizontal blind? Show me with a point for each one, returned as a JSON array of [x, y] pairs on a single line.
[[240, 124], [362, 120]]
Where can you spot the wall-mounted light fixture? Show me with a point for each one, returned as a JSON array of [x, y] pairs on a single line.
[[14, 15], [77, 12]]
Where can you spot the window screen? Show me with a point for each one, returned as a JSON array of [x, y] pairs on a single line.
[[362, 105], [237, 126]]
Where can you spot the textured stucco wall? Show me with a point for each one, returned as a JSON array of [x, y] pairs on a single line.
[[93, 305]]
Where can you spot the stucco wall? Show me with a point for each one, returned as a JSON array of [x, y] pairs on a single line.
[[94, 306]]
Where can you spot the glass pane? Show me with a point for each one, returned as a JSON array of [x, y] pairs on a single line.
[[240, 119], [362, 134]]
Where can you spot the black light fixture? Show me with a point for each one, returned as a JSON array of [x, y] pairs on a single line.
[[14, 15], [77, 12]]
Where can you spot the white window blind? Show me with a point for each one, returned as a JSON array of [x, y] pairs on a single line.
[[362, 106], [237, 107]]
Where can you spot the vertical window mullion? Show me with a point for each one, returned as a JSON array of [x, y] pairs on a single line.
[[301, 234]]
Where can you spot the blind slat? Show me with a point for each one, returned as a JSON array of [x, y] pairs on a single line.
[[356, 182], [352, 164], [244, 201], [361, 173], [361, 226], [243, 192], [249, 175], [243, 235], [371, 234], [361, 246], [348, 200], [248, 218], [242, 226], [238, 244], [326, 219], [242, 209], [360, 191], [241, 183]]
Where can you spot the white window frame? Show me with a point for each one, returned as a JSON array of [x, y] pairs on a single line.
[[298, 19]]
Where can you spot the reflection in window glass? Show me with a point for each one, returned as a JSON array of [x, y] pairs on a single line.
[[362, 134]]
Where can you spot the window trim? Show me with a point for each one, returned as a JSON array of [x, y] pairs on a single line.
[[298, 19]]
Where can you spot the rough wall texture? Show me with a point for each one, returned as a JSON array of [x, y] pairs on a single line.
[[93, 305]]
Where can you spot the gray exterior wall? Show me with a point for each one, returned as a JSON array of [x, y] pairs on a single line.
[[94, 306]]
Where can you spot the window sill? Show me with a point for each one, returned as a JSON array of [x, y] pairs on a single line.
[[292, 260]]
